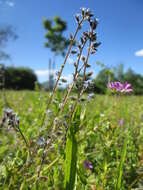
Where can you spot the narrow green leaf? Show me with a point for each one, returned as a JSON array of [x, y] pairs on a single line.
[[120, 170], [71, 160]]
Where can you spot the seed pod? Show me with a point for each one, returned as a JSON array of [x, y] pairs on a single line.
[[71, 36], [89, 13], [56, 121], [93, 37], [92, 51], [82, 99], [63, 80], [88, 65], [87, 18], [59, 133], [93, 24], [95, 45], [83, 11], [75, 64], [73, 52], [89, 74], [77, 18], [83, 58], [86, 34], [79, 46], [82, 40]]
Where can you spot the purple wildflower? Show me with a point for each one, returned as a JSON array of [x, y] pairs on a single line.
[[127, 87], [120, 87], [88, 165], [121, 122]]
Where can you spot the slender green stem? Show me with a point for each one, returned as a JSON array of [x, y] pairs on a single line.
[[24, 139]]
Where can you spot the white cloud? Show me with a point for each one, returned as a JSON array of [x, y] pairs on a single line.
[[139, 53], [69, 78], [10, 3], [43, 73]]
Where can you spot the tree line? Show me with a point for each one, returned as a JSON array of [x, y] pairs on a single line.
[[117, 74], [20, 78], [17, 78]]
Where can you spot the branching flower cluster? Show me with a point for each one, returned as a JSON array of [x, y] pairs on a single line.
[[60, 121], [11, 120]]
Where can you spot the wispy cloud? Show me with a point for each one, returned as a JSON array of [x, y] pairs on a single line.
[[43, 73], [139, 53], [68, 77], [10, 3]]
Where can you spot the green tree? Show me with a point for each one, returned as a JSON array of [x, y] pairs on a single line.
[[6, 33], [19, 78], [102, 79], [55, 27], [56, 42], [136, 81], [119, 72]]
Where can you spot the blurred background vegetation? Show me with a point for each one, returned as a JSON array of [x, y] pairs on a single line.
[[20, 78]]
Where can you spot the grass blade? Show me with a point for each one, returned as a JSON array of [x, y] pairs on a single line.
[[120, 170], [71, 160]]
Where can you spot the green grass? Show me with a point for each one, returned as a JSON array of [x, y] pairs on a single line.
[[101, 140]]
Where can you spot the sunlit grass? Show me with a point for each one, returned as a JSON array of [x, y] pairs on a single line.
[[101, 138]]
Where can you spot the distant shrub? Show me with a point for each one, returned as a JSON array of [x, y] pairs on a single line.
[[19, 78]]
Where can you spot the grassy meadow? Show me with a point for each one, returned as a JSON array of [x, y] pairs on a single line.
[[110, 144]]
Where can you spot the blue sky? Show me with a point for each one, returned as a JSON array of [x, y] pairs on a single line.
[[120, 31]]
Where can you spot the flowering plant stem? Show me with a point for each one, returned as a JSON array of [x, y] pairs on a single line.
[[71, 143], [55, 87], [83, 79], [76, 74], [61, 70]]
